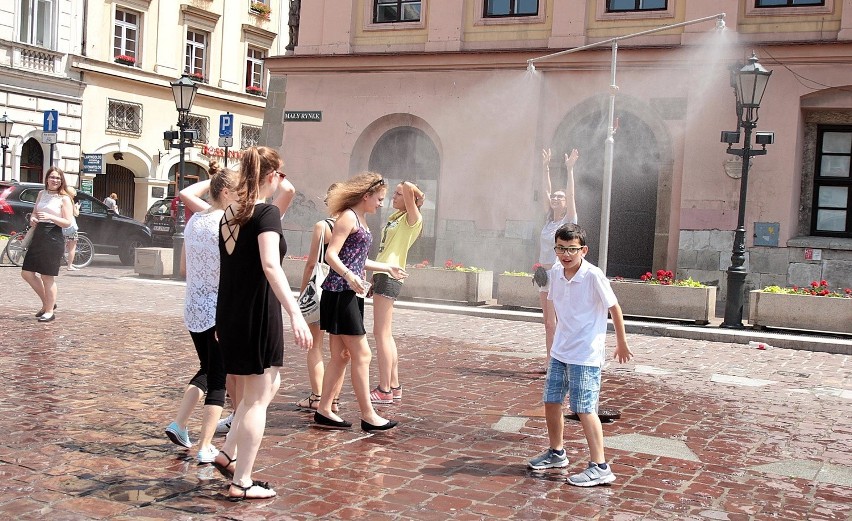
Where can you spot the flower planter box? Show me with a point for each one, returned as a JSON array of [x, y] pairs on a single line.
[[640, 299], [448, 285], [804, 312], [125, 62], [517, 291]]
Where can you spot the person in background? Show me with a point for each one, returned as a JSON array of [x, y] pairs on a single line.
[[249, 326], [403, 228], [111, 202], [52, 212], [320, 237], [200, 266], [70, 233], [561, 209], [343, 292]]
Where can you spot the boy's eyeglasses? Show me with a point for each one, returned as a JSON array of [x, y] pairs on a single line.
[[557, 197], [571, 250]]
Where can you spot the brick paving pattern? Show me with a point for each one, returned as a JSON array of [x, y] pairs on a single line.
[[709, 430]]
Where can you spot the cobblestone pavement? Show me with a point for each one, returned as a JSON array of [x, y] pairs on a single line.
[[709, 430]]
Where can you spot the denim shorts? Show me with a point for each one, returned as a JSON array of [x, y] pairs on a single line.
[[582, 383], [386, 286]]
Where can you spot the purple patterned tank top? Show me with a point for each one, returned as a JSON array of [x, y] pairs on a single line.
[[353, 254]]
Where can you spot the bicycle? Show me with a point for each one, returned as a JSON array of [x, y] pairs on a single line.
[[15, 250]]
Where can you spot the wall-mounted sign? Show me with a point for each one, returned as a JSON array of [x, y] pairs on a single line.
[[302, 115], [87, 187], [220, 152], [158, 192], [93, 163]]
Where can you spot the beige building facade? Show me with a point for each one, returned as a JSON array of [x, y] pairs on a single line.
[[439, 93], [106, 68]]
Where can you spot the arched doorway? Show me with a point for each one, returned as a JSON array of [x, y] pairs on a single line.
[[120, 181], [32, 162], [407, 154], [635, 180]]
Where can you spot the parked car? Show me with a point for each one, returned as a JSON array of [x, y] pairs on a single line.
[[111, 233], [161, 222]]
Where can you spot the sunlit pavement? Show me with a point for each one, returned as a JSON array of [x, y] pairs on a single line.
[[709, 430]]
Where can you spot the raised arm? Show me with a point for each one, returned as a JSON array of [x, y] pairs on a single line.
[[191, 196], [412, 196], [545, 171], [284, 196], [571, 209]]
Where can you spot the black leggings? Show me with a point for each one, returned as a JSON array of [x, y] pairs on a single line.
[[210, 377]]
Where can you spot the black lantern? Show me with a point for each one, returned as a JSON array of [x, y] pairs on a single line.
[[5, 132]]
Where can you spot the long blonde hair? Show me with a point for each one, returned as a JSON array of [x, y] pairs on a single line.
[[256, 161], [350, 192], [220, 179]]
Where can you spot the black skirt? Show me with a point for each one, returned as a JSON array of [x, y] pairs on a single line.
[[342, 313], [44, 255]]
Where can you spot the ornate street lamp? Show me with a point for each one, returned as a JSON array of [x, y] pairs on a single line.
[[749, 84], [183, 90], [5, 132]]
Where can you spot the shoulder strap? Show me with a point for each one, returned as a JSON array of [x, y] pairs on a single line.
[[321, 245]]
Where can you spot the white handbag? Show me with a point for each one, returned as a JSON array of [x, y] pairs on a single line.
[[309, 299]]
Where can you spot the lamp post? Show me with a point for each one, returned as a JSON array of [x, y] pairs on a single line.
[[609, 144], [5, 132], [749, 84], [184, 90]]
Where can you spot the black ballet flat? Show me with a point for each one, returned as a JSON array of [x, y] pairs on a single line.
[[369, 427], [328, 423], [40, 313], [51, 318]]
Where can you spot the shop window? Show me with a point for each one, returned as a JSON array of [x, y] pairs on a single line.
[[391, 11], [832, 210], [495, 8]]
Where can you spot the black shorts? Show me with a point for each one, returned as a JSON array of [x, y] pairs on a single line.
[[342, 313], [386, 286]]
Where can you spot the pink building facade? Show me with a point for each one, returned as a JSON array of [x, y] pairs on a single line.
[[442, 96]]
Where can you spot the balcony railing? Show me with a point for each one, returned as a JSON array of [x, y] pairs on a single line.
[[31, 58]]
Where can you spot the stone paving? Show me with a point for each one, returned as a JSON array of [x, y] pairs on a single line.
[[709, 430]]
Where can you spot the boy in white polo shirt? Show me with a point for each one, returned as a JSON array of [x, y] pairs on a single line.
[[582, 297]]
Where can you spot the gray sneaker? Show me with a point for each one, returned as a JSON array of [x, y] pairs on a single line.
[[592, 476], [549, 459]]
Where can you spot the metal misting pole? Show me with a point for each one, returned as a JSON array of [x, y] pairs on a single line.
[[609, 144]]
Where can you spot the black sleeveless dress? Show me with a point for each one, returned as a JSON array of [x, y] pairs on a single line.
[[248, 315]]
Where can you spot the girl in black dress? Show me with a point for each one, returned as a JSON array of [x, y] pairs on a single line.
[[53, 211], [252, 290]]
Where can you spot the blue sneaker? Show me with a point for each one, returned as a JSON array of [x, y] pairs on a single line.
[[178, 436]]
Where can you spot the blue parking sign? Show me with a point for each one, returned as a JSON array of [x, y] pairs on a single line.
[[226, 125], [51, 121]]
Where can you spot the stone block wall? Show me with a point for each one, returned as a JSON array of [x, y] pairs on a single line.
[[705, 255]]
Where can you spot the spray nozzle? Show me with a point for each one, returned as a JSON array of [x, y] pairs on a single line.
[[530, 66], [720, 23]]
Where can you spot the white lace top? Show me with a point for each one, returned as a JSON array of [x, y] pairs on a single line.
[[202, 270], [50, 203]]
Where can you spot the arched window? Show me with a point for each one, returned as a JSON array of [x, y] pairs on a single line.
[[408, 154]]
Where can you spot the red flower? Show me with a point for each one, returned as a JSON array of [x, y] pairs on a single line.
[[814, 284], [448, 264]]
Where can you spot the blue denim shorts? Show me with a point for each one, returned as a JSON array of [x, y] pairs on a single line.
[[582, 383]]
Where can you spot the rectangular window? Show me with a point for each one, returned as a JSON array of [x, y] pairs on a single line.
[[389, 11], [196, 54], [620, 6], [201, 125], [786, 3], [125, 39], [249, 136], [124, 117], [37, 23], [495, 8], [254, 68], [832, 211]]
